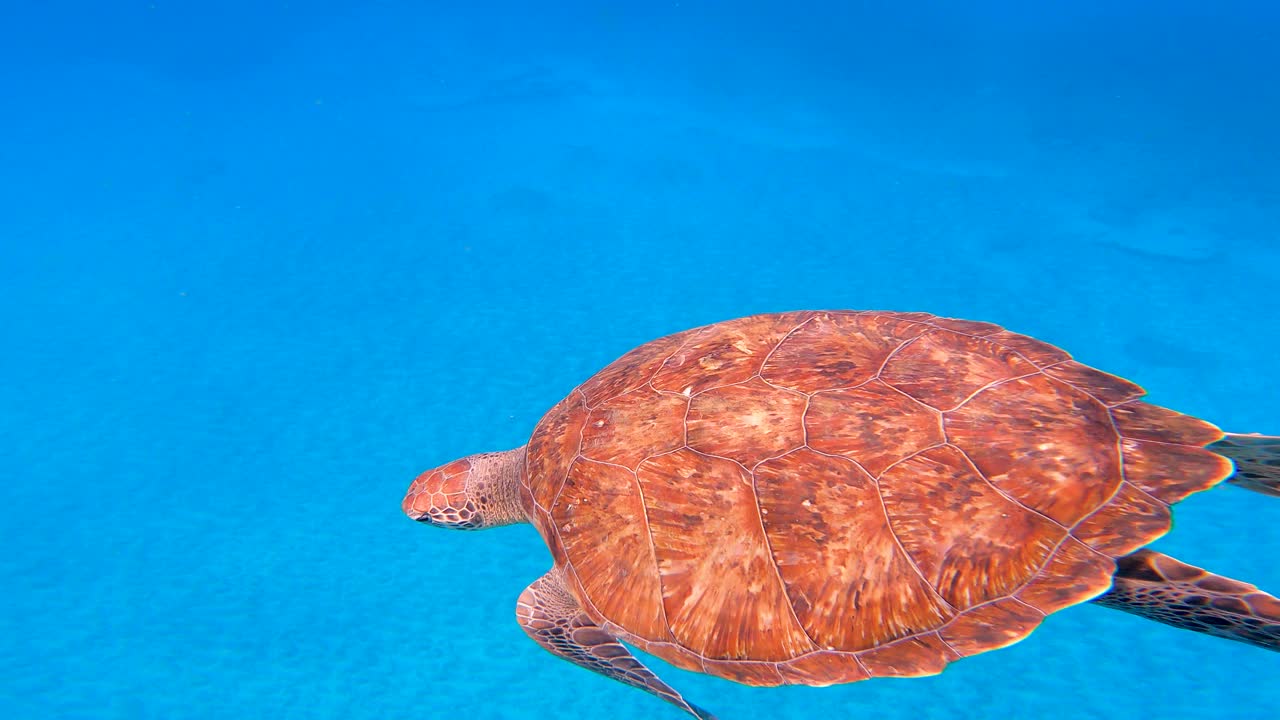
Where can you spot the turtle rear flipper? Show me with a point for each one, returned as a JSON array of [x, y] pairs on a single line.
[[1159, 588], [1257, 459]]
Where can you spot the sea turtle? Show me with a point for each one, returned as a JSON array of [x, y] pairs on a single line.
[[825, 497]]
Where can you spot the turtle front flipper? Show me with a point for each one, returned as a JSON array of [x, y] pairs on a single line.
[[551, 616], [1257, 459], [1160, 588]]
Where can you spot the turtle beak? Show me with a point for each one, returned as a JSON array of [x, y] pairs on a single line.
[[417, 502], [413, 513]]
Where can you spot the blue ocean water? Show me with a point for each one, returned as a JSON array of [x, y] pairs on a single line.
[[261, 263]]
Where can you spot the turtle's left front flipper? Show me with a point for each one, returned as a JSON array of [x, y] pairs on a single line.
[[550, 615], [1160, 588], [1257, 459]]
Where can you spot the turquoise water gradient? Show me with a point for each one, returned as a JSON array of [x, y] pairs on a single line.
[[261, 263]]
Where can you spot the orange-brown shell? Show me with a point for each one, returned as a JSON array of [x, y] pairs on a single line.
[[819, 498]]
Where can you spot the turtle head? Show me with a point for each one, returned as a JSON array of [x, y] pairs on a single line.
[[478, 491]]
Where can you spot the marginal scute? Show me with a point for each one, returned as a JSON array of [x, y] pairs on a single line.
[[600, 520], [724, 354], [755, 674], [1171, 472], [968, 327], [835, 350], [823, 668], [1041, 353], [942, 369], [628, 428], [988, 627], [919, 656], [1129, 520], [1046, 444], [1138, 420], [873, 424], [1107, 388], [746, 423], [1073, 575], [674, 654], [917, 317]]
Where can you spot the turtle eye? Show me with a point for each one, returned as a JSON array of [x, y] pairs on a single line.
[[458, 518]]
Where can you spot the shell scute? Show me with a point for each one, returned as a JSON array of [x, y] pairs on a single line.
[[747, 422], [600, 521], [993, 625], [943, 369], [725, 354], [1048, 445], [628, 428], [631, 370], [835, 350], [1170, 472], [1107, 388], [1040, 353], [721, 592], [553, 447], [1138, 420], [1129, 520], [823, 668], [848, 579], [971, 542], [918, 656], [1073, 575], [966, 327], [873, 424], [747, 672]]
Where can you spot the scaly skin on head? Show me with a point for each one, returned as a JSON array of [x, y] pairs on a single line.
[[476, 492]]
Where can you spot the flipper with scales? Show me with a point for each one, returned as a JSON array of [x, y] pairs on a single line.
[[1257, 459], [1160, 588], [551, 616]]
